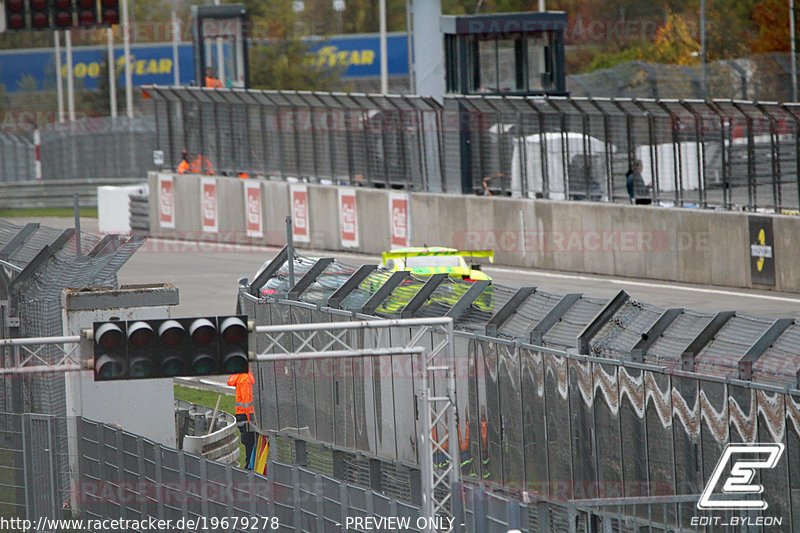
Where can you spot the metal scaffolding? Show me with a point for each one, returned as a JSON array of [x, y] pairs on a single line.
[[438, 457]]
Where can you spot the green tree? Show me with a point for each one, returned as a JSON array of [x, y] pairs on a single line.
[[288, 65], [280, 59]]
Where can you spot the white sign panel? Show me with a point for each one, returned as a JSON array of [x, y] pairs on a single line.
[[166, 201], [252, 202], [208, 204], [348, 218], [301, 225]]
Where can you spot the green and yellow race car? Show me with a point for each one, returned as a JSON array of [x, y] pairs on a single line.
[[426, 261], [461, 265]]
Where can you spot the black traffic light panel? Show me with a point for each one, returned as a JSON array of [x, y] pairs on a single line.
[[110, 351], [87, 13], [15, 15], [233, 348], [199, 346], [110, 11], [40, 14], [62, 14]]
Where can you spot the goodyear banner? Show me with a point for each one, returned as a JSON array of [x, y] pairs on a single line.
[[150, 64], [762, 251], [358, 56], [361, 55]]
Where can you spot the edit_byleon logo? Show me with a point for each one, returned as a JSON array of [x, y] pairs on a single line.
[[745, 460]]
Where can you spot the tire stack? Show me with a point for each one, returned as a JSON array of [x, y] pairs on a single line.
[[140, 213]]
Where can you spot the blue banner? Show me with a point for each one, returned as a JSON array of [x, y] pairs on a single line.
[[359, 55], [150, 64]]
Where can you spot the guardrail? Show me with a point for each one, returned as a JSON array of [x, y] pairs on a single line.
[[58, 193], [221, 444]]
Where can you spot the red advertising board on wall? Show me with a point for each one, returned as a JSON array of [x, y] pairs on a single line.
[[399, 220], [208, 203], [166, 201], [301, 225], [348, 218], [252, 202]]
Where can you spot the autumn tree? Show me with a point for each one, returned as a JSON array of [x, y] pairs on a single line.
[[673, 43], [771, 17]]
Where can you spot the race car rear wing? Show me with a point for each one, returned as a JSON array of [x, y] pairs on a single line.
[[485, 254]]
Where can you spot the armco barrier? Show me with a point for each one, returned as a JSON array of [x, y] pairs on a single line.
[[59, 193], [733, 249]]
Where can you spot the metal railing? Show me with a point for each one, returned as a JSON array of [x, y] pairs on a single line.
[[695, 153], [726, 154], [581, 401], [378, 141], [90, 148]]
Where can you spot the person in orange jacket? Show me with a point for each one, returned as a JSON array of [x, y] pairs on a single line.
[[183, 167], [244, 409], [201, 165], [212, 82]]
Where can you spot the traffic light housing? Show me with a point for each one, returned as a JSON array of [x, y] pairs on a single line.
[[110, 11], [175, 347], [15, 14], [40, 14], [62, 14], [87, 13]]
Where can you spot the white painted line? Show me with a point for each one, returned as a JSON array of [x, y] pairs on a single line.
[[645, 284], [200, 381]]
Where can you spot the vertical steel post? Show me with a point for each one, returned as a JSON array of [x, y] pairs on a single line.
[[126, 50], [176, 30], [793, 49], [77, 215], [59, 80], [70, 77], [290, 249], [425, 448], [112, 73], [384, 53]]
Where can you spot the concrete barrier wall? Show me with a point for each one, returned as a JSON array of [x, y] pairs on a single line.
[[695, 246]]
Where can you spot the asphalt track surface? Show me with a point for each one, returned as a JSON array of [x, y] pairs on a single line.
[[207, 278], [207, 275]]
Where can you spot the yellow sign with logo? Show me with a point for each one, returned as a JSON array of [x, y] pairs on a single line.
[[762, 251]]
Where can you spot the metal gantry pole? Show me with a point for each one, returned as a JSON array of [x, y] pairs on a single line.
[[290, 250], [383, 50], [126, 50], [176, 30], [112, 73], [59, 77], [793, 46], [70, 77]]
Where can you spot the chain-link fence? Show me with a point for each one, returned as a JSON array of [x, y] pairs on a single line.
[[90, 148], [720, 154], [380, 141], [571, 399], [101, 147], [694, 153], [118, 475], [17, 158], [40, 262]]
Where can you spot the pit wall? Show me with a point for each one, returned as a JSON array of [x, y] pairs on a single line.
[[694, 246]]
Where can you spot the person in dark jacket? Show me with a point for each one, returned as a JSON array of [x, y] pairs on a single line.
[[638, 192]]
